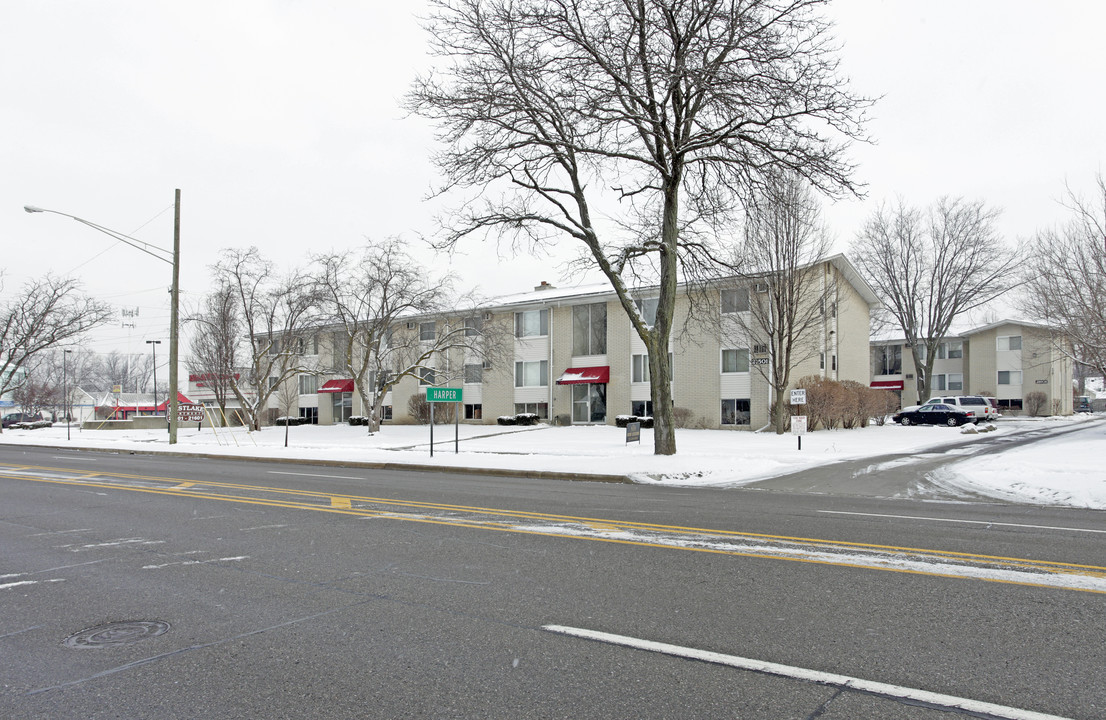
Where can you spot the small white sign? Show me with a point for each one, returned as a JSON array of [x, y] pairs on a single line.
[[798, 424], [798, 397], [187, 412]]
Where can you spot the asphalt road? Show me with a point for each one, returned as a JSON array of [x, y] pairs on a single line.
[[330, 592]]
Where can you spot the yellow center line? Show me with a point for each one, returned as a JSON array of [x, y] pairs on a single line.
[[343, 504]]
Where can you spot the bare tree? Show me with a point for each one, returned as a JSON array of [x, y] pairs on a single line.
[[931, 266], [46, 313], [660, 114], [781, 297], [393, 320], [132, 372], [1065, 282], [215, 344], [276, 314]]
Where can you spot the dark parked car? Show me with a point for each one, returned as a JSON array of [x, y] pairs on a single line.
[[935, 414], [13, 418]]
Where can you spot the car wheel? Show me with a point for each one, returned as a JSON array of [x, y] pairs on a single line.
[[905, 421], [952, 422]]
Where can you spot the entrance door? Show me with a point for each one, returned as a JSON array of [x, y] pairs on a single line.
[[589, 403], [343, 407]]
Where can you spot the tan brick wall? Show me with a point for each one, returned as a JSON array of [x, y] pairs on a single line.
[[853, 323]]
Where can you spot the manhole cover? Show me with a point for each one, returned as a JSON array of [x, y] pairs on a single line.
[[119, 633]]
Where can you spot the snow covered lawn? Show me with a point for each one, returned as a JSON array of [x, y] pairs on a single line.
[[1061, 471]]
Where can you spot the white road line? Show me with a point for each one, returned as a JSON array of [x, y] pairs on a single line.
[[329, 477], [796, 673], [970, 522]]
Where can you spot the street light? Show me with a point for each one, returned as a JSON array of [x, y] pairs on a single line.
[[153, 346], [65, 393], [173, 259]]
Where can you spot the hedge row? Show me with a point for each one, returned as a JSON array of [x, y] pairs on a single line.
[[624, 420], [518, 419], [845, 403]]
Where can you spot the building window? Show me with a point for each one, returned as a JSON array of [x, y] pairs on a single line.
[[956, 381], [539, 409], [821, 361], [1011, 404], [273, 382], [474, 411], [648, 309], [532, 374], [428, 331], [639, 368], [474, 374], [386, 412], [589, 329], [952, 350], [735, 300], [888, 360], [735, 360], [735, 412], [1009, 377], [473, 326], [426, 376], [309, 384], [833, 362], [532, 323], [1010, 342], [939, 383], [641, 408]]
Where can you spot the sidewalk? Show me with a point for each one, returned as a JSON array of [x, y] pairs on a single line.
[[704, 457]]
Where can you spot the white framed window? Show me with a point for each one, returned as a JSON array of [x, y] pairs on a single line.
[[639, 368], [473, 326], [939, 383], [735, 411], [532, 374], [952, 350], [532, 323], [1009, 377], [956, 382], [474, 374], [888, 360], [1009, 342], [426, 376], [474, 411], [428, 331], [539, 409], [735, 300], [589, 329], [648, 309], [735, 360], [309, 384]]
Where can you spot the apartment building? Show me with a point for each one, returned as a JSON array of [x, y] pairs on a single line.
[[574, 358], [1006, 360]]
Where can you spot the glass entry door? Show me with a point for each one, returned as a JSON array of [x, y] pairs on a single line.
[[343, 407], [589, 403]]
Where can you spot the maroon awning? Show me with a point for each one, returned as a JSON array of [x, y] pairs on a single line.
[[590, 375], [337, 386], [887, 384]]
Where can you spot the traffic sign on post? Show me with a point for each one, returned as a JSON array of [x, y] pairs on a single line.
[[798, 397]]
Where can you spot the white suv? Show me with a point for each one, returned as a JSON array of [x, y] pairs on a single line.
[[977, 406]]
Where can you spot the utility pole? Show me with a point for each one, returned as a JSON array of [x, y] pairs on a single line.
[[174, 323]]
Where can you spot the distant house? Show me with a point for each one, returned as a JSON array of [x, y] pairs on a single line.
[[1005, 360], [124, 406]]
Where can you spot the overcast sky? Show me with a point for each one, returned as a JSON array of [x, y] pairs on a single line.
[[280, 122]]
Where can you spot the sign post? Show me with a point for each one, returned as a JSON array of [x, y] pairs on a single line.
[[633, 432], [798, 422], [453, 395]]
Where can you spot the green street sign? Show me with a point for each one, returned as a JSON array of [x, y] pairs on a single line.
[[437, 394]]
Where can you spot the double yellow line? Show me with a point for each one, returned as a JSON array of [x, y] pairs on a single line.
[[937, 563]]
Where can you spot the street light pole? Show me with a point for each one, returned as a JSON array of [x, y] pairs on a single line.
[[153, 346], [174, 290]]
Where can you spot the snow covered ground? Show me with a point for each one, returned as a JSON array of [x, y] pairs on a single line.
[[1063, 471]]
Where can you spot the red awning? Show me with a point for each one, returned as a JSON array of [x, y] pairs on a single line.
[[887, 384], [590, 375], [337, 386]]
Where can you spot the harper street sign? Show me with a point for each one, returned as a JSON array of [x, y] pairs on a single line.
[[439, 394]]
